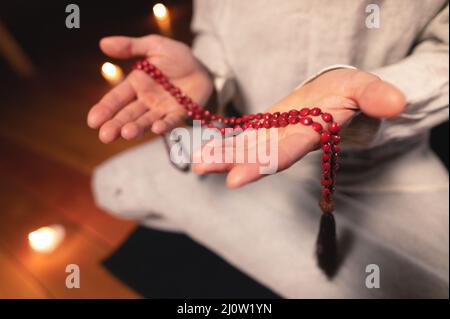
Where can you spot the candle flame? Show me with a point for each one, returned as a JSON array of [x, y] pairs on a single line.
[[47, 238], [159, 10], [112, 73]]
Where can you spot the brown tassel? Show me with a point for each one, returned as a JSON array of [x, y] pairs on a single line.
[[326, 246]]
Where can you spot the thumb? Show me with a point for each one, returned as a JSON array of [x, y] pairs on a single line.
[[377, 98], [127, 47]]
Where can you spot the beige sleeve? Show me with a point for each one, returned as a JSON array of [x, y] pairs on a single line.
[[423, 77], [208, 48]]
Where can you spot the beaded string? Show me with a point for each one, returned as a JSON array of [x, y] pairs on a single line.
[[329, 135]]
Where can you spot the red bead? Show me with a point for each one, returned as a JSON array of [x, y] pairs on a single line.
[[267, 116], [285, 115], [335, 138], [326, 147], [274, 122], [326, 166], [315, 111], [293, 112], [325, 174], [256, 125], [187, 100], [179, 99], [276, 115], [317, 127], [326, 182], [206, 114], [324, 137], [304, 111], [326, 157], [336, 148], [250, 117], [161, 80], [306, 120], [259, 116], [293, 120], [326, 192], [283, 122], [267, 124], [334, 128], [327, 117]]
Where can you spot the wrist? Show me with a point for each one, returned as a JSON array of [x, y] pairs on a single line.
[[206, 90]]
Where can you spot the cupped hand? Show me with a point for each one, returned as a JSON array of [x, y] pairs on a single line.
[[138, 104], [341, 92]]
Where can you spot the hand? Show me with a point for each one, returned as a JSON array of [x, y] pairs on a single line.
[[138, 103], [340, 92]]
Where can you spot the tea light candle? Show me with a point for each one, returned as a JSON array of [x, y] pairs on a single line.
[[162, 17], [46, 239], [112, 73]]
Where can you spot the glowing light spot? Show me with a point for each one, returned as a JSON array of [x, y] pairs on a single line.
[[112, 73], [160, 11], [47, 238]]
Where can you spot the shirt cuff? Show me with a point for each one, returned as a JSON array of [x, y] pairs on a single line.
[[325, 70]]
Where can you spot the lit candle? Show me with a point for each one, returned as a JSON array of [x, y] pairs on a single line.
[[162, 19], [112, 73], [47, 238]]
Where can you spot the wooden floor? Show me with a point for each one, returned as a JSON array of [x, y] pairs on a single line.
[[47, 155]]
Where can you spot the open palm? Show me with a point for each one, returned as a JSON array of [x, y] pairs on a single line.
[[340, 92], [138, 104]]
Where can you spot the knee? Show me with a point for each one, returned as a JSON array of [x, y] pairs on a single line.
[[107, 189]]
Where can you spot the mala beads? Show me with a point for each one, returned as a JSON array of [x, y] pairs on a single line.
[[329, 139]]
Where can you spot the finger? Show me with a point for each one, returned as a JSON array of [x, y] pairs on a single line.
[[218, 155], [112, 128], [243, 174], [169, 122], [210, 159], [141, 125], [127, 47], [107, 107], [377, 98], [278, 157]]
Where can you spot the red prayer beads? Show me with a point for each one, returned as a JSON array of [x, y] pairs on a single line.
[[329, 136]]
